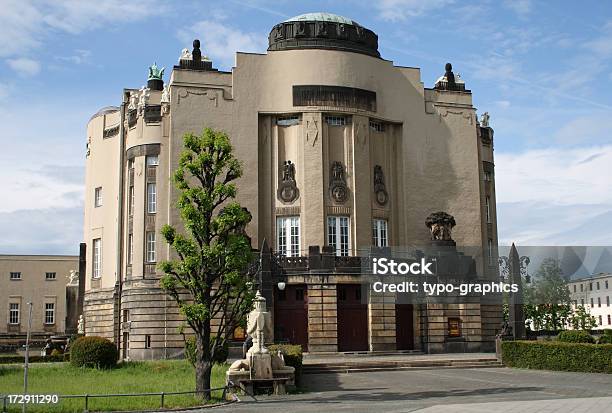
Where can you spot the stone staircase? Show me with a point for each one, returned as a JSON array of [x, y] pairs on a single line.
[[395, 361]]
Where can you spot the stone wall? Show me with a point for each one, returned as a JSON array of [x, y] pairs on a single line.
[[100, 313]]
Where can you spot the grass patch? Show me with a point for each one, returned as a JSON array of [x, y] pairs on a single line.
[[130, 377]]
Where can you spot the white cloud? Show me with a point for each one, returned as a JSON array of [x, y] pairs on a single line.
[[398, 10], [79, 57], [26, 23], [520, 7], [24, 66], [220, 42]]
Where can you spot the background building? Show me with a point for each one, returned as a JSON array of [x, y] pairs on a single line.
[[594, 293], [41, 280], [342, 150]]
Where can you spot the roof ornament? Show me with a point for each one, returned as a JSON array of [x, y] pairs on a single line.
[[155, 73], [484, 120], [450, 76]]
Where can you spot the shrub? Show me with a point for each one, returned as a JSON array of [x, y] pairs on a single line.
[[93, 351], [14, 359], [583, 357], [190, 352], [575, 336], [292, 353], [606, 337]]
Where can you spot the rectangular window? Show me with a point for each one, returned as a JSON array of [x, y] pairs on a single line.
[[606, 284], [607, 300], [581, 287], [130, 163], [490, 251], [598, 285], [15, 275], [98, 197], [126, 316], [97, 258], [488, 208], [338, 234], [147, 341], [377, 126], [130, 252], [600, 321], [598, 301], [582, 302], [609, 319], [288, 236], [50, 276], [488, 176], [14, 313], [574, 287], [49, 313], [151, 198], [379, 233], [131, 200], [335, 120], [592, 305], [152, 160], [288, 120], [590, 286], [151, 257]]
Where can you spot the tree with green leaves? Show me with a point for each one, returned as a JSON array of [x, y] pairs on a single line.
[[207, 276], [581, 319], [547, 299]]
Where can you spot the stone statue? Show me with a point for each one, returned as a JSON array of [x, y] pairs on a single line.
[[484, 120], [337, 171], [288, 171], [144, 98], [287, 187], [185, 55], [440, 224], [379, 186], [73, 278], [259, 326], [81, 325], [259, 363], [337, 183], [133, 100], [165, 97]]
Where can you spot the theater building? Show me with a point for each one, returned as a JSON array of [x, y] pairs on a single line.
[[342, 150]]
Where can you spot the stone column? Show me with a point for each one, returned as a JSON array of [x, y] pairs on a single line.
[[381, 315], [322, 318]]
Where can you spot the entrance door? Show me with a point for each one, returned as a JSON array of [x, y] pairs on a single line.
[[404, 332], [291, 315], [352, 319]]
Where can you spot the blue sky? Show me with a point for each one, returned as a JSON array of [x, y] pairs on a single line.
[[542, 70]]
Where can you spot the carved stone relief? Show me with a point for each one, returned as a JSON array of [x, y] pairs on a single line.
[[379, 186], [287, 188], [337, 183]]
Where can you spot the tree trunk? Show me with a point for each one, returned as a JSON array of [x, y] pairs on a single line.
[[203, 367]]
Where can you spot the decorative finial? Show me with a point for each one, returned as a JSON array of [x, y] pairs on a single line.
[[155, 73], [196, 54]]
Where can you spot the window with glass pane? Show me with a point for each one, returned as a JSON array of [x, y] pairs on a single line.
[[488, 207], [97, 258], [15, 275], [130, 254], [152, 160], [490, 251], [131, 200], [151, 198], [151, 247], [379, 233], [98, 197], [50, 275], [288, 236], [14, 313], [338, 234], [49, 313]]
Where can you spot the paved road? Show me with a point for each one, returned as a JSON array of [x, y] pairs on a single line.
[[442, 390]]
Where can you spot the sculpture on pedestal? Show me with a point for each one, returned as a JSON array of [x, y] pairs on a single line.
[[440, 225]]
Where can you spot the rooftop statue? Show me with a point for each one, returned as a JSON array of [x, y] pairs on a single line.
[[155, 72], [441, 225], [484, 120]]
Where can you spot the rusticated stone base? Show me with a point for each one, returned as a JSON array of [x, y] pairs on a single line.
[[100, 313]]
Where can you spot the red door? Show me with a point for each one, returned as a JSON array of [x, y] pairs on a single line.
[[352, 319], [291, 315], [404, 331]]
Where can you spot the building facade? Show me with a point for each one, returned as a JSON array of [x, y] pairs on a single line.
[[44, 281], [342, 150], [594, 294]]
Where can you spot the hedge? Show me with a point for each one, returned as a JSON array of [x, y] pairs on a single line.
[[292, 353], [575, 336], [93, 351], [555, 355], [33, 359]]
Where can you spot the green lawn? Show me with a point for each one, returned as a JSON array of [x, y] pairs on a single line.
[[132, 377]]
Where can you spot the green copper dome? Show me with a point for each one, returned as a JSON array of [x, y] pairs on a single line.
[[322, 17]]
